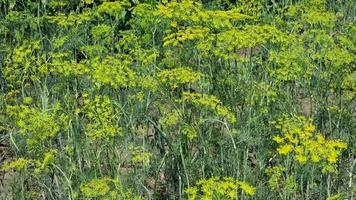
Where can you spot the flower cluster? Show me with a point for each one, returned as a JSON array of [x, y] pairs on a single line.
[[106, 189], [35, 124], [178, 77], [187, 34], [140, 156], [103, 188], [113, 8], [63, 66], [23, 63], [219, 188], [102, 119], [38, 166], [298, 138], [19, 164], [211, 102], [114, 72]]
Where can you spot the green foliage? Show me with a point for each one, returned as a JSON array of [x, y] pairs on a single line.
[[148, 99]]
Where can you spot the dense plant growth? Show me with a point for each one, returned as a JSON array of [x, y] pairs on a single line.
[[181, 99]]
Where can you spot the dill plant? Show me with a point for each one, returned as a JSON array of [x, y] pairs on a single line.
[[174, 99]]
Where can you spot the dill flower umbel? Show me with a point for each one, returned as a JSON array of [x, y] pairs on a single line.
[[18, 164], [219, 188], [211, 102], [299, 139], [102, 119]]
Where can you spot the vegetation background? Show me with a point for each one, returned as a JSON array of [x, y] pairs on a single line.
[[145, 99]]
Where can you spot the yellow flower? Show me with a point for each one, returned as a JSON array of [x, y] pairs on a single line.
[[332, 157], [249, 190], [315, 158], [278, 139], [301, 159], [18, 164], [223, 188], [285, 149], [192, 193], [309, 128], [320, 139]]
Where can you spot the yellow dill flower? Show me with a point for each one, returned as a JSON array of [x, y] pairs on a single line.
[[285, 149], [101, 119], [299, 149], [192, 193], [249, 190], [18, 164], [302, 159], [48, 158], [221, 188], [315, 158], [189, 131], [275, 174], [335, 197], [35, 124], [332, 157], [178, 77], [289, 136], [101, 188], [320, 139], [309, 128], [170, 118], [278, 139], [299, 140], [211, 102], [339, 144], [328, 169]]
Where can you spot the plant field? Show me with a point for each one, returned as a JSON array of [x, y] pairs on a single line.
[[177, 99]]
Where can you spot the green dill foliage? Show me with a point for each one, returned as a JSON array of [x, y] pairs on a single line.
[[177, 99]]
